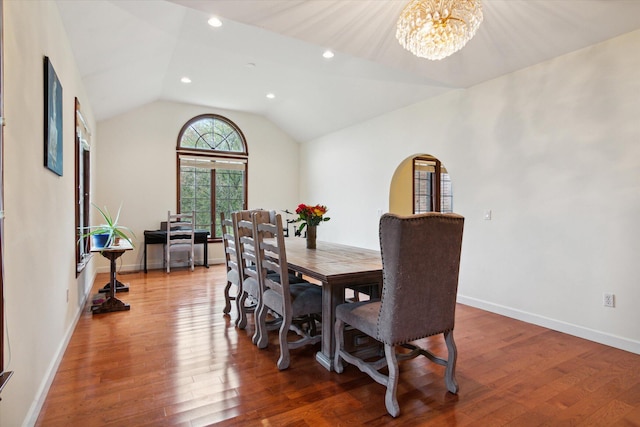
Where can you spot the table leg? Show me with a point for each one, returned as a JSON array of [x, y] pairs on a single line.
[[112, 303], [120, 287], [332, 296]]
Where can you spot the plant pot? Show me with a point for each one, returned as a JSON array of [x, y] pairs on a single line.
[[100, 240]]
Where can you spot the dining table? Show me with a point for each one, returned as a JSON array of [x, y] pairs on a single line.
[[336, 267]]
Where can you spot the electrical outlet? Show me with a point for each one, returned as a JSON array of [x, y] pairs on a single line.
[[608, 299]]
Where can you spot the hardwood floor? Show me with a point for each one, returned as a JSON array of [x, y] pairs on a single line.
[[175, 360]]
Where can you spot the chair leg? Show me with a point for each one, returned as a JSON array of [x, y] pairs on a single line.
[[284, 360], [241, 321], [227, 298], [261, 335], [390, 400], [339, 333], [450, 370]]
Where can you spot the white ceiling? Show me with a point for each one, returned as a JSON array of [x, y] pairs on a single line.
[[131, 52]]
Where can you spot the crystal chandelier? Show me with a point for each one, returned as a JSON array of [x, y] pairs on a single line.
[[435, 29]]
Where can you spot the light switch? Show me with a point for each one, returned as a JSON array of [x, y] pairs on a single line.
[[487, 215]]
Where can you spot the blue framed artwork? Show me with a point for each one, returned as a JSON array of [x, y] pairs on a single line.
[[52, 119]]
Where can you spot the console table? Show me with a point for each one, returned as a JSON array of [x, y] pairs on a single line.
[[112, 303], [154, 237]]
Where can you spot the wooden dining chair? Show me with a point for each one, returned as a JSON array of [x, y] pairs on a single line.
[[420, 264], [232, 262], [247, 297], [180, 236], [299, 305], [248, 294]]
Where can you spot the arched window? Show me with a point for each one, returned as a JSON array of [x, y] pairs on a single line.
[[212, 170]]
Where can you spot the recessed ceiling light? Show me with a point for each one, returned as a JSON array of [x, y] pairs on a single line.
[[328, 54], [214, 21], [271, 95], [185, 80]]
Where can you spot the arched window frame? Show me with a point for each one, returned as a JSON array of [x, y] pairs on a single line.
[[219, 165]]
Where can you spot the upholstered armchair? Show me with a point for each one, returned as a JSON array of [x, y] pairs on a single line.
[[420, 262]]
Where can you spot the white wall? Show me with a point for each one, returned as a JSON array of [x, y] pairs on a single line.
[[39, 240], [553, 151], [140, 148]]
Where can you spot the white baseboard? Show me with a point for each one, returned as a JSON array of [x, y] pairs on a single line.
[[43, 390], [556, 325], [151, 266]]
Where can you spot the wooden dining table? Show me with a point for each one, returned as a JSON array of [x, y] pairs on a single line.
[[336, 267]]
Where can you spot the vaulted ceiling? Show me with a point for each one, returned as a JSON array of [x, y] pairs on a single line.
[[132, 52]]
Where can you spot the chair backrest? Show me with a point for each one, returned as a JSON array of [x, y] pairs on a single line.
[[243, 227], [271, 257], [420, 263], [180, 230], [229, 236]]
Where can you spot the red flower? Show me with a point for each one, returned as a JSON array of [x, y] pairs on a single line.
[[310, 215]]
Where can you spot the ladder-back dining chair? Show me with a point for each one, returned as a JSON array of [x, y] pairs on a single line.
[[299, 305], [180, 236], [232, 262], [420, 264], [248, 295]]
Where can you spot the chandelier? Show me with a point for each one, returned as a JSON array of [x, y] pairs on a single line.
[[435, 29]]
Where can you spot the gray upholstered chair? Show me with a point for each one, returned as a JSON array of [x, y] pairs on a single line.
[[298, 304], [420, 263], [232, 262]]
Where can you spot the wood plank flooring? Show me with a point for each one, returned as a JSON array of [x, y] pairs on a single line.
[[175, 360]]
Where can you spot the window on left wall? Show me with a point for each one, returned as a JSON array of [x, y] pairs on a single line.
[[82, 170]]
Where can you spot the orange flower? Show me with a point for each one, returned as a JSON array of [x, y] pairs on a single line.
[[311, 215]]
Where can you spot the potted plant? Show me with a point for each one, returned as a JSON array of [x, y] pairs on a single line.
[[106, 234]]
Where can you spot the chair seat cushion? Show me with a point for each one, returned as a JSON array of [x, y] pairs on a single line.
[[293, 278], [250, 286], [233, 277], [361, 315], [306, 298]]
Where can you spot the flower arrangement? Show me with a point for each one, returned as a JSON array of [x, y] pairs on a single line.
[[311, 215]]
